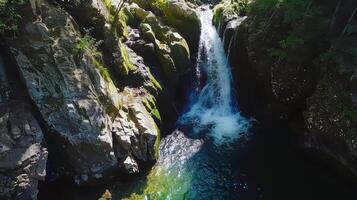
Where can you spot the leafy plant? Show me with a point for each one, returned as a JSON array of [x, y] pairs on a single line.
[[87, 43], [9, 16]]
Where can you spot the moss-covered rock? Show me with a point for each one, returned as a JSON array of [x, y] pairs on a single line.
[[78, 97], [226, 11], [179, 15], [171, 49], [289, 61], [126, 64]]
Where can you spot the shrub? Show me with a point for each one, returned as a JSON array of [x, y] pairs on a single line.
[[9, 16]]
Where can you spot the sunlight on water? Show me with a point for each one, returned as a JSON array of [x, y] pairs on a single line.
[[213, 111], [188, 168]]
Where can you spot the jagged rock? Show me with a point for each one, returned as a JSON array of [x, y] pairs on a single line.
[[178, 14], [176, 149], [223, 13], [91, 13], [130, 165], [286, 71], [229, 31], [171, 49], [75, 99], [185, 19], [22, 156], [135, 130], [331, 120]]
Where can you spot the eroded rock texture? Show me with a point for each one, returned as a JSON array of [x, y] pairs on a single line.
[[97, 80]]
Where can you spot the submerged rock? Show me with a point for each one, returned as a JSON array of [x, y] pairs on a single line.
[[176, 149]]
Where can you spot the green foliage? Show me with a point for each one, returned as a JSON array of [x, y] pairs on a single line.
[[294, 10], [350, 113], [102, 70], [343, 54], [87, 43], [154, 81], [90, 45], [228, 8], [279, 54], [292, 41], [9, 15], [127, 64], [159, 4]]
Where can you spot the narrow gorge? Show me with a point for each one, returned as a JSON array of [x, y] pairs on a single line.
[[178, 99]]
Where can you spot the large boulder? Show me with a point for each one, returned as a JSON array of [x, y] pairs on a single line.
[[331, 121], [179, 15], [69, 89], [23, 155], [171, 48], [78, 102], [288, 72]]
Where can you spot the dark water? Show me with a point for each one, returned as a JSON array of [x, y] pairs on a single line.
[[223, 154]]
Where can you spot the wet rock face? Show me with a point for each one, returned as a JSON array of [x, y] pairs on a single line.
[[68, 91], [301, 81], [94, 94], [22, 157], [331, 121], [80, 103], [179, 15]]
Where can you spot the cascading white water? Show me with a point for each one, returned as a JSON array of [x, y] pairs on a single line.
[[194, 169], [213, 108]]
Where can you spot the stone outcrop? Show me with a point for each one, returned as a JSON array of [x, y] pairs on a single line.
[[179, 15], [23, 155], [98, 81], [287, 72], [80, 104]]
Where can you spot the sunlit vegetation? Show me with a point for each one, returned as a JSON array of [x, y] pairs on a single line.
[[9, 15]]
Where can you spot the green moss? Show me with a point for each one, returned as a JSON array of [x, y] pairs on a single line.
[[86, 43], [157, 142], [350, 113], [102, 70], [150, 105], [148, 33], [227, 9], [127, 65], [156, 113], [108, 4], [154, 81]]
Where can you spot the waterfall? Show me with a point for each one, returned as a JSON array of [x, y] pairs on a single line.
[[191, 168], [213, 111]]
